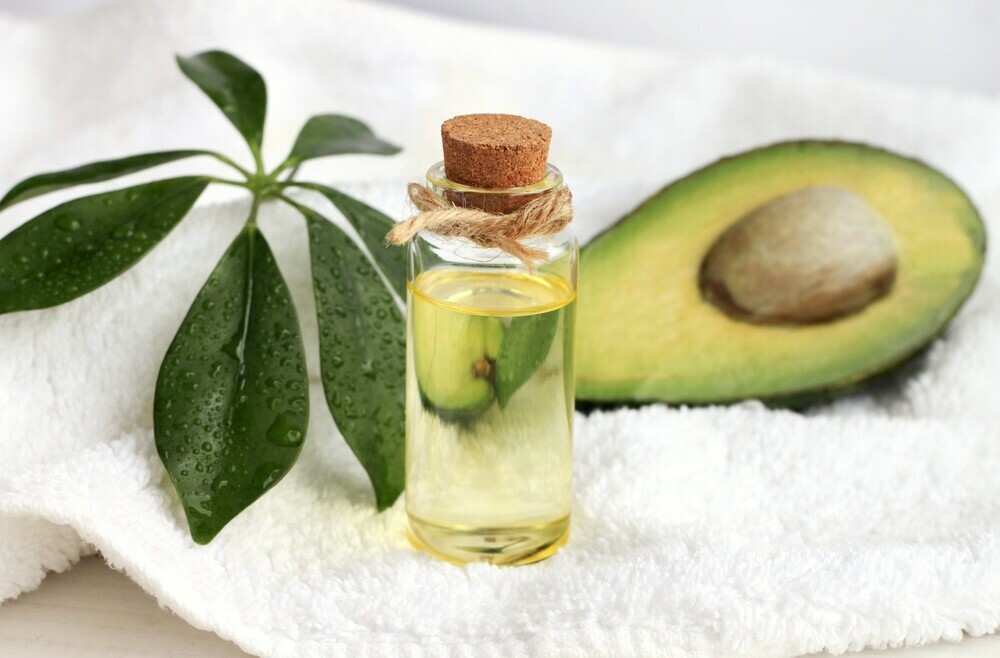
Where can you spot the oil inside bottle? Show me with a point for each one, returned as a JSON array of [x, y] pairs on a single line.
[[489, 413]]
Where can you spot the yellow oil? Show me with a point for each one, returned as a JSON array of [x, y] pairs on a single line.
[[489, 414]]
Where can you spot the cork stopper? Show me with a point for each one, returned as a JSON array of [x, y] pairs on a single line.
[[495, 151]]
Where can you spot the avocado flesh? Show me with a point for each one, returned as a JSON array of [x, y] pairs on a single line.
[[454, 355], [647, 333]]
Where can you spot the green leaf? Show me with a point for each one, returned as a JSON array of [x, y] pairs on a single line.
[[237, 89], [232, 400], [372, 226], [362, 354], [335, 134], [82, 244], [526, 343], [95, 172]]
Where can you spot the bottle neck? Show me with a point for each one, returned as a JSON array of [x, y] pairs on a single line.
[[429, 250], [490, 200]]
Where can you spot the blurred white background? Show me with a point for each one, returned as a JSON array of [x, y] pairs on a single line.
[[952, 44]]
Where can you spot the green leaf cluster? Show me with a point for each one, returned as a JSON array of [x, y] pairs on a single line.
[[231, 407]]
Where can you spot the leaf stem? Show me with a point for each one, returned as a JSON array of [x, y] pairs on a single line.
[[294, 204], [228, 161], [258, 160], [285, 165], [293, 172], [226, 181], [306, 185], [252, 218]]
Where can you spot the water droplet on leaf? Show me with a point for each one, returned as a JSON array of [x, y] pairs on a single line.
[[285, 431], [68, 223]]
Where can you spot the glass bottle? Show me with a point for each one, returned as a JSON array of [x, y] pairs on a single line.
[[489, 388]]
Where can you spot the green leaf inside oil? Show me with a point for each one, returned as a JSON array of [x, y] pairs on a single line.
[[526, 343]]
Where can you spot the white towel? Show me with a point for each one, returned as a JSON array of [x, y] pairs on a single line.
[[874, 521]]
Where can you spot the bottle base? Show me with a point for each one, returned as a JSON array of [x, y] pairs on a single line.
[[502, 546]]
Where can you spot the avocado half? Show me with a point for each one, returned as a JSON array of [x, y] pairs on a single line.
[[454, 355], [788, 273]]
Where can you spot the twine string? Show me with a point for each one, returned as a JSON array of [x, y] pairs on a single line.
[[547, 214]]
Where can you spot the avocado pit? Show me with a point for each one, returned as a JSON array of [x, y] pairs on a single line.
[[810, 256]]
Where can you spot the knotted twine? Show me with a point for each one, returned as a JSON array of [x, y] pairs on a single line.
[[547, 214]]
